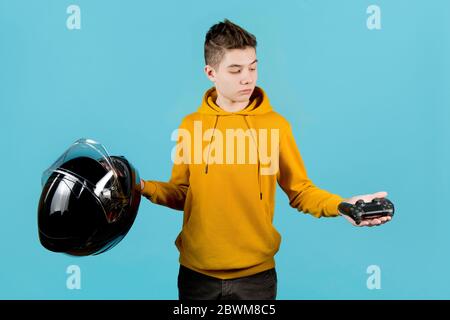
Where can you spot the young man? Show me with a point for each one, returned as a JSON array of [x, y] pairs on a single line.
[[230, 156]]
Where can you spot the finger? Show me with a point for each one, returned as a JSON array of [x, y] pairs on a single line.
[[363, 223], [374, 222], [385, 219], [380, 194], [364, 197], [370, 197]]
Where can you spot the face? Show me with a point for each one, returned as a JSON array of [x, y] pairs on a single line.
[[236, 72]]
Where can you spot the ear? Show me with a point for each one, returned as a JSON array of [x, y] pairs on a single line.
[[210, 73]]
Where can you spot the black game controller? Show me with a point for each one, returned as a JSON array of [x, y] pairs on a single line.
[[379, 207]]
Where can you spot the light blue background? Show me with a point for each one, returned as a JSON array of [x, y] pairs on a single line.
[[369, 109]]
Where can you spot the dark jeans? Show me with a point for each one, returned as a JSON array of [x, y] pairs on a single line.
[[197, 286]]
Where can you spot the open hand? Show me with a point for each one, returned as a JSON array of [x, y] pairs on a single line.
[[367, 198]]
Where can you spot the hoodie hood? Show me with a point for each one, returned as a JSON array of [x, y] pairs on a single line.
[[259, 104]]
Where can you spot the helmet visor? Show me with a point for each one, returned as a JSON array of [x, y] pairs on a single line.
[[87, 165]]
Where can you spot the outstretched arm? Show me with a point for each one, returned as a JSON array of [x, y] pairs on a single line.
[[171, 194], [301, 191], [305, 196]]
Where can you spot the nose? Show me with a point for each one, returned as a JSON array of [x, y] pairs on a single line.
[[247, 80], [247, 77]]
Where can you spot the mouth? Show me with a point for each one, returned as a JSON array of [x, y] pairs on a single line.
[[246, 91]]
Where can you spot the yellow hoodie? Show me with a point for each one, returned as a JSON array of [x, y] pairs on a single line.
[[228, 201]]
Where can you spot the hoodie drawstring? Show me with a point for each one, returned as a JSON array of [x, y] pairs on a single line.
[[210, 141], [257, 154]]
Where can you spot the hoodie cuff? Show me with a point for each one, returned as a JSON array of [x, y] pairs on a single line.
[[332, 206], [149, 189]]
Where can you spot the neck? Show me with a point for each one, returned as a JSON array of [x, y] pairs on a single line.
[[230, 105]]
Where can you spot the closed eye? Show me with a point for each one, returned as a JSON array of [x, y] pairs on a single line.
[[239, 71]]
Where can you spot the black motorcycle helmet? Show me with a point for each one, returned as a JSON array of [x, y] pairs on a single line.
[[89, 200]]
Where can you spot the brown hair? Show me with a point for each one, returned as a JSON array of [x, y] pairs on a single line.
[[224, 36]]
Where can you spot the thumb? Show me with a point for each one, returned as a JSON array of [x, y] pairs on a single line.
[[380, 194]]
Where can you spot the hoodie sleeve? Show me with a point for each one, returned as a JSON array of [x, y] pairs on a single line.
[[173, 193], [292, 178]]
